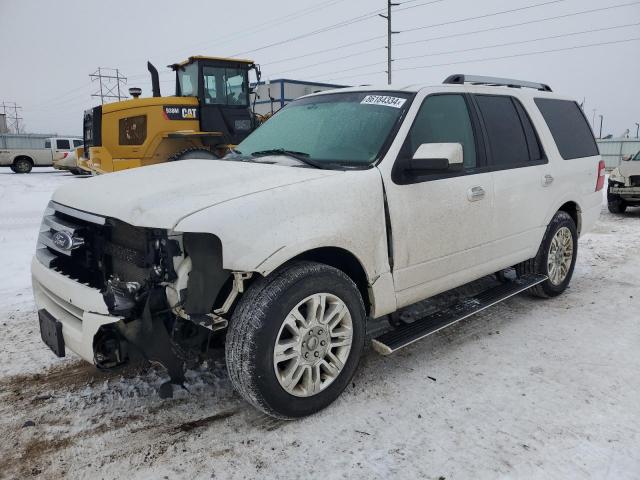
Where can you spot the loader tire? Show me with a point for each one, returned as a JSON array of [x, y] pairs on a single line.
[[198, 153]]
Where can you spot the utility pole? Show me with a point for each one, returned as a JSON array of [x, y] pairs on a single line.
[[637, 129], [110, 81], [13, 119], [593, 120], [601, 117], [390, 32]]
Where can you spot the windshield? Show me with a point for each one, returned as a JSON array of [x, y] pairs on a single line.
[[188, 80], [341, 128], [636, 158]]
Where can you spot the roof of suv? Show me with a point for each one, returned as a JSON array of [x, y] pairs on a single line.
[[458, 87]]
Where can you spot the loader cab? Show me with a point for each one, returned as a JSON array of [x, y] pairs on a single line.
[[223, 91]]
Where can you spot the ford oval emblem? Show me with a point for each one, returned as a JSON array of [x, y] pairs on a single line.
[[63, 240]]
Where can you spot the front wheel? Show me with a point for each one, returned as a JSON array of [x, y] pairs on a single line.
[[295, 339], [556, 257]]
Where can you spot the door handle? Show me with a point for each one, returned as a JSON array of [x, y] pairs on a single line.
[[475, 193], [547, 180]]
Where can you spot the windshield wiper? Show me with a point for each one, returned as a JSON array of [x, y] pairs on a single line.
[[300, 156]]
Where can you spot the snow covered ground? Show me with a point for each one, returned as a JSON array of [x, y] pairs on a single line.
[[527, 389]]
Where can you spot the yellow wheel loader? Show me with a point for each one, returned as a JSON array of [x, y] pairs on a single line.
[[209, 113]]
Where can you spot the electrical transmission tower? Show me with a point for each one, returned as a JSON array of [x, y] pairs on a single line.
[[10, 112], [110, 82], [390, 33]]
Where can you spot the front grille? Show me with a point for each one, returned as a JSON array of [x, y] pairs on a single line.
[[92, 249], [634, 180]]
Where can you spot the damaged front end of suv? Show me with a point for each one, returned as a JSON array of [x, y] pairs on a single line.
[[148, 293]]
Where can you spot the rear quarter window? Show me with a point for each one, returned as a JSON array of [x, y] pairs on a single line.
[[569, 128]]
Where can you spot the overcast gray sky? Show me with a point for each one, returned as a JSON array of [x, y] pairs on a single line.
[[48, 49]]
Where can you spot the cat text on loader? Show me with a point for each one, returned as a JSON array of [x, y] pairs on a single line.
[[209, 113]]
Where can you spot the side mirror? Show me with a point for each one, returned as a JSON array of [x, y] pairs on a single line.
[[626, 158], [437, 157]]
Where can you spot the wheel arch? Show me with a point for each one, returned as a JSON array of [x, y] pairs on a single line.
[[574, 210], [343, 260]]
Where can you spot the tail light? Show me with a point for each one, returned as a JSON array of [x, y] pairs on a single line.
[[600, 181], [64, 155]]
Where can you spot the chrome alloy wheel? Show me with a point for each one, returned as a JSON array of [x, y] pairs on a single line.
[[560, 256], [313, 344]]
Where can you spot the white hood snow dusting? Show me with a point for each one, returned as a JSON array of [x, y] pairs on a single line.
[[160, 196]]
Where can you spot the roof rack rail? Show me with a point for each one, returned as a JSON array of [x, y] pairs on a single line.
[[461, 79]]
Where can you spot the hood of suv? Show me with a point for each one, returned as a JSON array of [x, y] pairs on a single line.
[[161, 195]]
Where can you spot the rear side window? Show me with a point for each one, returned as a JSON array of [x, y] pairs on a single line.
[[47, 144], [569, 128], [63, 145], [77, 143], [507, 140]]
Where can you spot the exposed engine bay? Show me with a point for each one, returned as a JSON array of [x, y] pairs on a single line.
[[170, 289]]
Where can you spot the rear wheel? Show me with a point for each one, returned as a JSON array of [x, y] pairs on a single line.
[[193, 153], [295, 339], [556, 257], [78, 171], [22, 165]]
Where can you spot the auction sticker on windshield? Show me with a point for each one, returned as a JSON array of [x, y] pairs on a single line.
[[395, 102]]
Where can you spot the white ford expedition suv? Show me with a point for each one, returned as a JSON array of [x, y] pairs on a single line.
[[347, 206]]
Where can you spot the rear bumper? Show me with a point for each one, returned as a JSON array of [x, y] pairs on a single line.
[[591, 212], [80, 309]]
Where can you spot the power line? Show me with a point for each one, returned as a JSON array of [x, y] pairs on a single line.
[[442, 37], [244, 32], [475, 60], [576, 47], [276, 21], [429, 39], [415, 6], [529, 22], [325, 50], [486, 15], [520, 42], [478, 48], [315, 64], [486, 46], [344, 23], [328, 28]]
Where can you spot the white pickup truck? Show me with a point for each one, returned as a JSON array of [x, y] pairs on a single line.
[[347, 206], [22, 160]]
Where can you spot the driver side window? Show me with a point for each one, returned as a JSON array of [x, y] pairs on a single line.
[[444, 119]]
